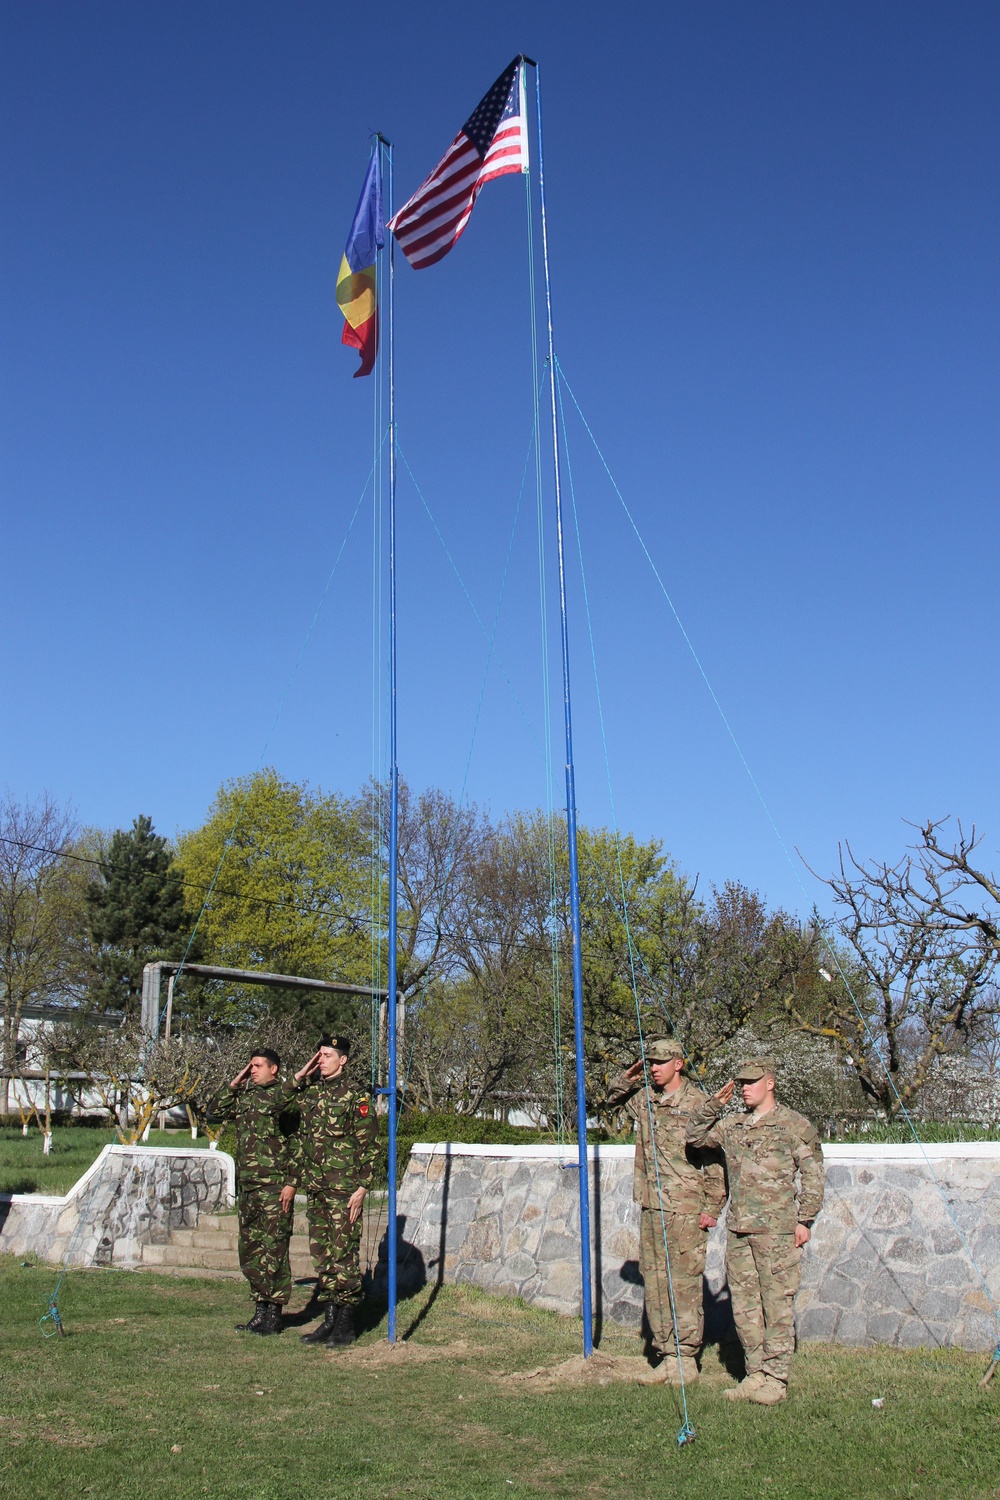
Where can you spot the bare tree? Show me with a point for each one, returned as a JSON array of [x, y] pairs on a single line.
[[133, 1077], [440, 844], [478, 1036], [39, 938], [924, 933]]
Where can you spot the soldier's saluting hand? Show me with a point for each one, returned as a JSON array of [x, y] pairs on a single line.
[[681, 1191], [775, 1164], [334, 1161], [256, 1102]]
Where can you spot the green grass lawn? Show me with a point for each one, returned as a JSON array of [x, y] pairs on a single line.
[[24, 1169], [152, 1393]]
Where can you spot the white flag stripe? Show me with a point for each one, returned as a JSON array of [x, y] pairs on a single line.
[[431, 221]]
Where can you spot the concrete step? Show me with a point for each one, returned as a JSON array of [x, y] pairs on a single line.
[[188, 1257], [211, 1248], [224, 1239], [230, 1224]]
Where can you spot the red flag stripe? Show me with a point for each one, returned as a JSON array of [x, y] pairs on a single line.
[[431, 222]]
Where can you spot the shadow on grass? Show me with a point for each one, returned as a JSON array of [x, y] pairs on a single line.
[[411, 1279]]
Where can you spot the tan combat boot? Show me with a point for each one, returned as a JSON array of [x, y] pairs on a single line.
[[747, 1388], [688, 1369], [770, 1392]]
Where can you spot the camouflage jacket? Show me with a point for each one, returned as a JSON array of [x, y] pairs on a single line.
[[260, 1113], [336, 1145], [691, 1181], [764, 1156]]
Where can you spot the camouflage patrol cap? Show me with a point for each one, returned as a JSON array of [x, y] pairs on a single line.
[[662, 1049], [752, 1069], [341, 1042]]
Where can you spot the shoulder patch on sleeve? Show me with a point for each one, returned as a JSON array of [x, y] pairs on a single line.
[[363, 1108]]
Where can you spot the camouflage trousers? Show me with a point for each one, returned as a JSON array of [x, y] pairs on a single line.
[[763, 1275], [335, 1246], [686, 1245], [263, 1243]]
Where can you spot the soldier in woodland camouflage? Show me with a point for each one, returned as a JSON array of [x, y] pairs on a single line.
[[334, 1161], [770, 1219], [681, 1191], [256, 1102]]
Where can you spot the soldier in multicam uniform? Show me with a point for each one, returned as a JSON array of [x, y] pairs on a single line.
[[256, 1102], [681, 1191], [769, 1219], [334, 1160]]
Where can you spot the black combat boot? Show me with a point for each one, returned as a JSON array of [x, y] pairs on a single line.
[[343, 1330], [252, 1325], [324, 1333], [271, 1321]]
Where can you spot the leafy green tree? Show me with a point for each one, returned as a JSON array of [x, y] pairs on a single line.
[[135, 913], [278, 878], [639, 921]]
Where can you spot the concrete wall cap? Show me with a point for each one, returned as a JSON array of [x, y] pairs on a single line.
[[941, 1151]]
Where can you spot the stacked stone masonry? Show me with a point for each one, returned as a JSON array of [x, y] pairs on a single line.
[[889, 1261], [131, 1197], [886, 1263]]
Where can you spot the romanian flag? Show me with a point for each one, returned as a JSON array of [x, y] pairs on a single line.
[[356, 294]]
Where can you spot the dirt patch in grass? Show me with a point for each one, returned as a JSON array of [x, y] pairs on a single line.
[[67, 1435], [599, 1369], [386, 1356]]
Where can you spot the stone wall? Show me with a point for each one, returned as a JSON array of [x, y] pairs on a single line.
[[131, 1196], [885, 1263]]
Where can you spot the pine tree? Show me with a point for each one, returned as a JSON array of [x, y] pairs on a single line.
[[135, 914]]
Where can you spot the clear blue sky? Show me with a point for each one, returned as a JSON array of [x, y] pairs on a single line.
[[774, 240]]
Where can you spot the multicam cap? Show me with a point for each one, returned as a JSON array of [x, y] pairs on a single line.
[[752, 1069], [661, 1049]]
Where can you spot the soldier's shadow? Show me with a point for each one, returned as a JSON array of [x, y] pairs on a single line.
[[312, 1309], [411, 1278], [721, 1330], [719, 1326]]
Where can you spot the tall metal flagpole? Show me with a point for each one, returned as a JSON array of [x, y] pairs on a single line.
[[392, 1004], [574, 871]]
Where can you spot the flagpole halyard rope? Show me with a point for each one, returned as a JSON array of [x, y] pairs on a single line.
[[828, 944], [574, 873], [687, 1432]]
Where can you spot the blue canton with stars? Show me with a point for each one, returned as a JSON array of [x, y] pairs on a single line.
[[501, 103]]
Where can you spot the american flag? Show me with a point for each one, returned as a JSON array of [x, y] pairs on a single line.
[[492, 142]]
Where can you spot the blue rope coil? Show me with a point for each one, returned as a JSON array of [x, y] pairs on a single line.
[[52, 1316], [687, 1434]]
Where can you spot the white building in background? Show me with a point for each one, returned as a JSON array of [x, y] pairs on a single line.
[[30, 1087]]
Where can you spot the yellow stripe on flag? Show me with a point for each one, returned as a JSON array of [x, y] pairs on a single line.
[[356, 294]]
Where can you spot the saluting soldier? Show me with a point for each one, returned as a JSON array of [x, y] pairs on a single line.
[[775, 1164], [334, 1161], [681, 1191], [256, 1102]]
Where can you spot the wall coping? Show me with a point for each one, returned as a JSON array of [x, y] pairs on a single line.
[[913, 1154], [47, 1200]]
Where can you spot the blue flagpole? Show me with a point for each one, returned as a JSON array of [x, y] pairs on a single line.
[[392, 999], [574, 871]]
